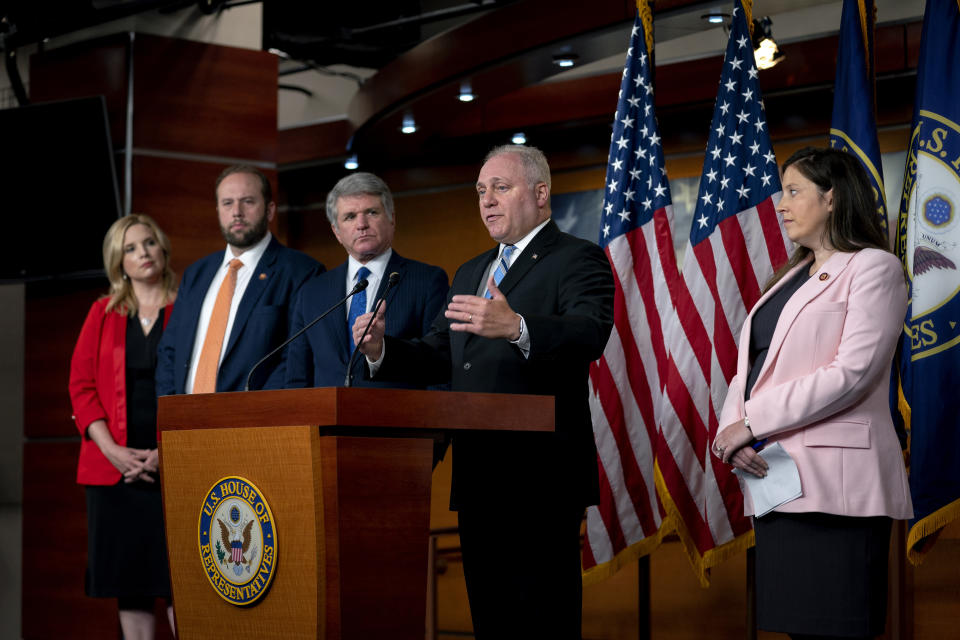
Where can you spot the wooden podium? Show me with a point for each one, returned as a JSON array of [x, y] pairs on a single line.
[[346, 474]]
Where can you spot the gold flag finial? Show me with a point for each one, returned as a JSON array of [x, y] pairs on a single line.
[[646, 18], [748, 14]]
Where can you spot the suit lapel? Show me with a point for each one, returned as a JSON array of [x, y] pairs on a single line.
[[458, 339], [208, 271], [539, 246], [395, 263], [804, 295], [261, 278], [337, 320]]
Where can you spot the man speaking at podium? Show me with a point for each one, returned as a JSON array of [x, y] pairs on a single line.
[[361, 214], [528, 316], [233, 306]]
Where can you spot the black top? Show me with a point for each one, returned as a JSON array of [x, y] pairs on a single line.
[[765, 322], [141, 385]]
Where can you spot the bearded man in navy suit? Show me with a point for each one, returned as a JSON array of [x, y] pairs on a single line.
[[258, 319], [528, 316], [361, 214]]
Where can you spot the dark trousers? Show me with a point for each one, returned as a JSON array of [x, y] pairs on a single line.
[[522, 568]]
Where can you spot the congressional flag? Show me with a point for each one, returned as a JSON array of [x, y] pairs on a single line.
[[928, 243], [853, 127], [736, 243], [626, 383]]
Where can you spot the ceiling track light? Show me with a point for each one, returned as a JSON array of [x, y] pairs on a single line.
[[765, 48], [351, 163]]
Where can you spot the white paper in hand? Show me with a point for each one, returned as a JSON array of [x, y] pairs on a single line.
[[781, 484]]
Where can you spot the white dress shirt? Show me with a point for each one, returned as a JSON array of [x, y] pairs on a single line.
[[377, 267], [250, 258]]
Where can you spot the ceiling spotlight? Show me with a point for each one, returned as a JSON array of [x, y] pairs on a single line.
[[765, 48], [519, 138], [715, 18], [565, 60], [466, 93], [408, 126], [351, 163]]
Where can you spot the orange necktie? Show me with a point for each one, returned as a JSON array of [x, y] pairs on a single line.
[[205, 380]]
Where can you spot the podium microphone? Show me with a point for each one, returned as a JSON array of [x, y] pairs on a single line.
[[391, 282], [357, 288]]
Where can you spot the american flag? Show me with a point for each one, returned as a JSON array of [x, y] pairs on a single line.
[[626, 384], [736, 243]]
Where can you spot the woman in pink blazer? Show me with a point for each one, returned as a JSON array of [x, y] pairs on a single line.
[[813, 375], [112, 391]]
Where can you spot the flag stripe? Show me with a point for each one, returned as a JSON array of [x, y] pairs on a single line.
[[735, 243], [633, 477], [627, 382]]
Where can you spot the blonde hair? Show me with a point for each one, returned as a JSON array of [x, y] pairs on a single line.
[[122, 298]]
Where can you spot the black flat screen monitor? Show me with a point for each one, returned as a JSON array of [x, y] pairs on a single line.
[[58, 189]]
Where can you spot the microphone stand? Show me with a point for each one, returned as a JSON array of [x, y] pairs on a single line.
[[394, 279], [360, 286]]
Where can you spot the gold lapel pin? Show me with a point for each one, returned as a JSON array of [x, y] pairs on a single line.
[[824, 276], [263, 276], [534, 256]]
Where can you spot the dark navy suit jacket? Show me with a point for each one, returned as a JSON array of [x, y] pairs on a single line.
[[563, 288], [261, 324], [319, 357]]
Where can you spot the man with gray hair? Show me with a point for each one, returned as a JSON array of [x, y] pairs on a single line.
[[361, 214], [528, 316]]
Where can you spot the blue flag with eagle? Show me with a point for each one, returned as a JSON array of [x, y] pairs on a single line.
[[928, 243]]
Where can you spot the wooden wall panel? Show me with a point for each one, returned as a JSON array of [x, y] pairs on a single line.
[[305, 144], [196, 109], [205, 99], [179, 195], [85, 69], [52, 324], [55, 549]]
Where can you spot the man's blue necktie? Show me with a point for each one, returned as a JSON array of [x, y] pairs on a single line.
[[358, 306], [502, 267]]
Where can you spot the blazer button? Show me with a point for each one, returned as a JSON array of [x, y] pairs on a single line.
[[466, 366]]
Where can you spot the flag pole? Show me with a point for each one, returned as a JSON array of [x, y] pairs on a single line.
[[644, 621]]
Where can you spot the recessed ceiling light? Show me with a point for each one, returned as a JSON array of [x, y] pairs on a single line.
[[408, 126], [565, 60], [519, 138], [351, 163], [715, 18], [466, 93]]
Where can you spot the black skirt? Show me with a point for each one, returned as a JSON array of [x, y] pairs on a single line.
[[126, 544], [822, 574]]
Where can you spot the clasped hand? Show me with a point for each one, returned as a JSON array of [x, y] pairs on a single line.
[[135, 464], [732, 446]]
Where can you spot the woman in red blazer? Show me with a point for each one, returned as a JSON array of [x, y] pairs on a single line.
[[115, 407], [813, 376]]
